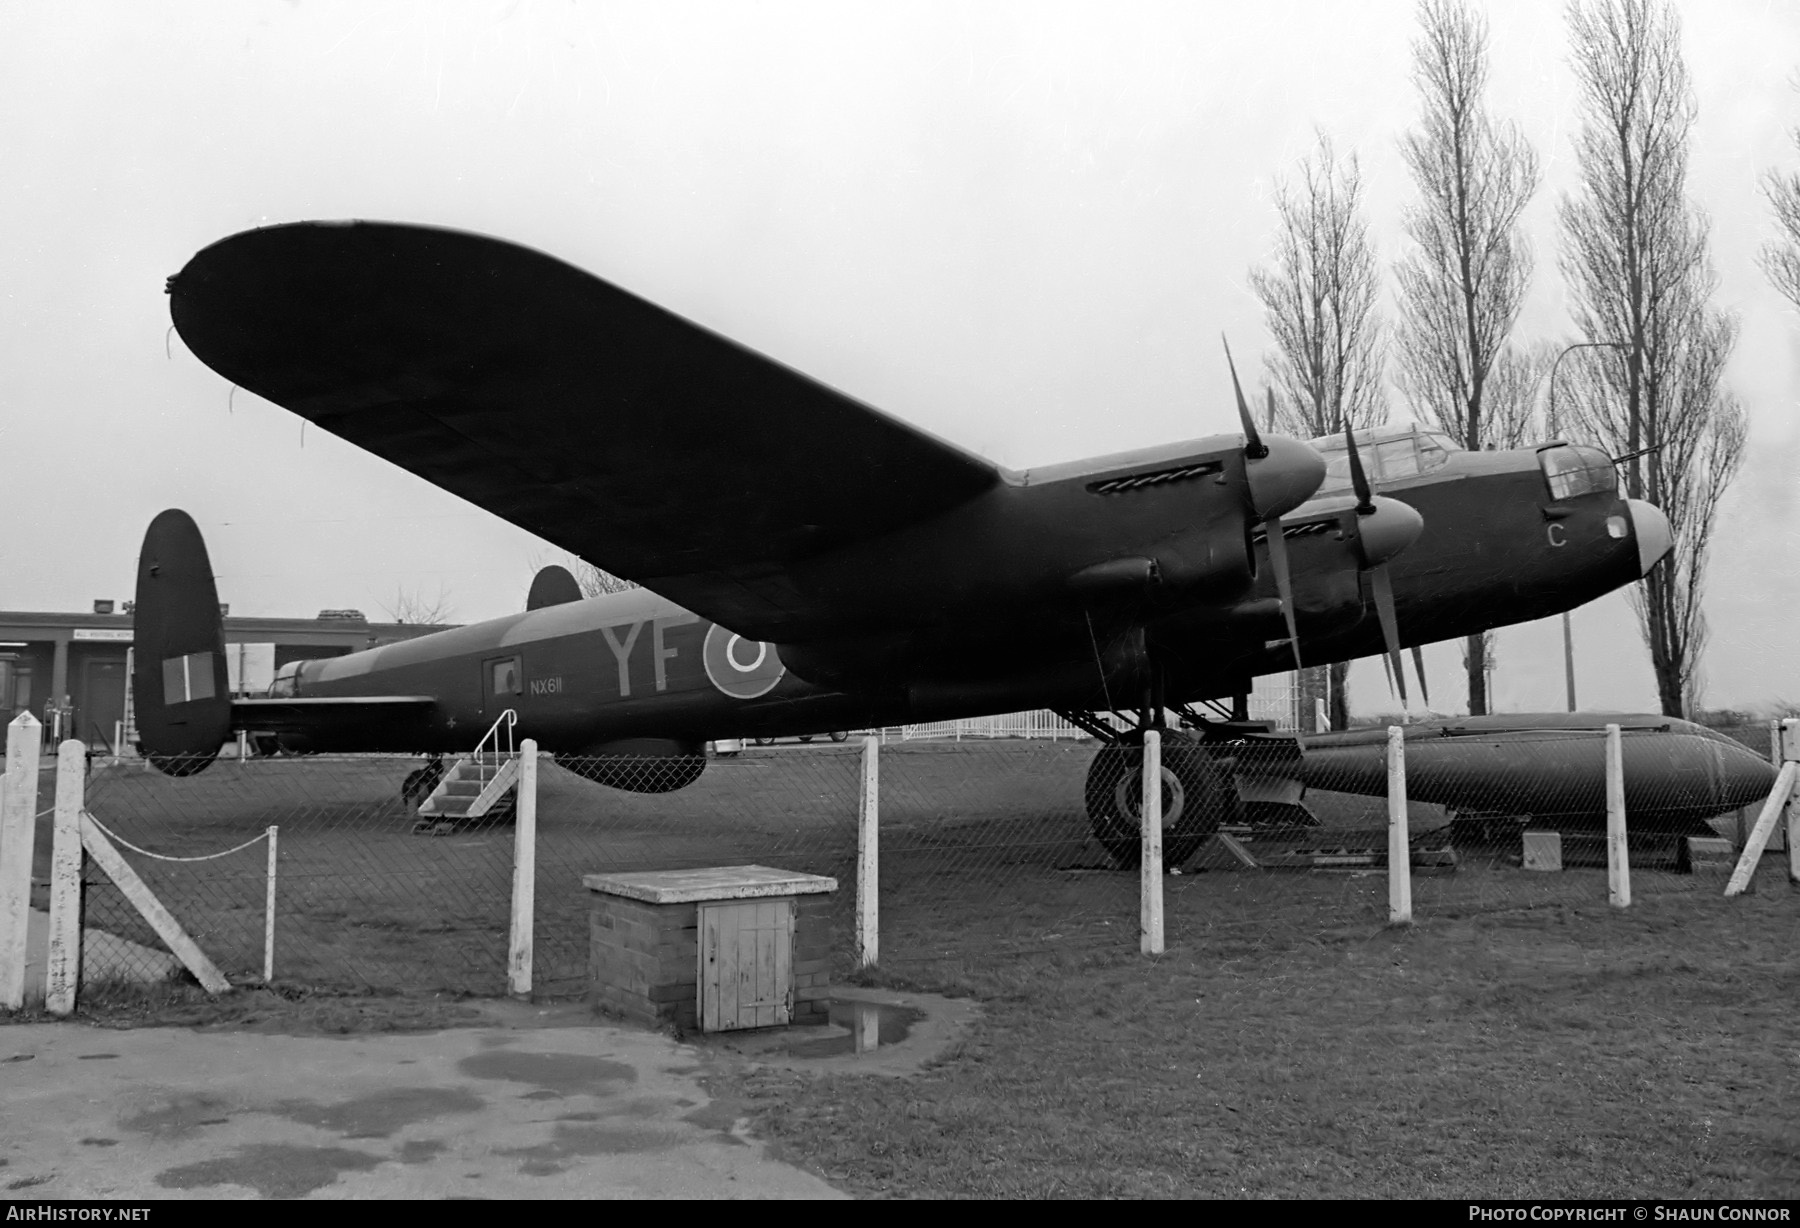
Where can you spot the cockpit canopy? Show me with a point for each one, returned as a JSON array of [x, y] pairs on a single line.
[[1573, 470], [1389, 454]]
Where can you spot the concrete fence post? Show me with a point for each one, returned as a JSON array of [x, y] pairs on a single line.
[[269, 904], [1399, 837], [868, 857], [62, 967], [1618, 858], [18, 829], [1150, 867], [524, 884]]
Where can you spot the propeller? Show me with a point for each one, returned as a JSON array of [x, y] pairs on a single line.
[[1380, 585], [1418, 655], [1256, 449]]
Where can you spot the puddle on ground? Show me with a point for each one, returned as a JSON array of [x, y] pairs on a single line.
[[871, 1026]]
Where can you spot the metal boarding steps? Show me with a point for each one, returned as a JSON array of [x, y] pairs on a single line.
[[469, 791], [480, 786]]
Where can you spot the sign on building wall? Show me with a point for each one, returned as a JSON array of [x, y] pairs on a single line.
[[109, 635]]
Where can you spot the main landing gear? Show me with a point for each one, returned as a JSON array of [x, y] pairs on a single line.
[[1197, 797], [421, 781]]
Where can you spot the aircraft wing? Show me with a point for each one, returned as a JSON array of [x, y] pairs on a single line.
[[641, 442], [304, 714]]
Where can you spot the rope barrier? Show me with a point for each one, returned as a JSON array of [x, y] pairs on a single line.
[[118, 839]]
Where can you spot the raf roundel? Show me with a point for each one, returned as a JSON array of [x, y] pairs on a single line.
[[740, 668]]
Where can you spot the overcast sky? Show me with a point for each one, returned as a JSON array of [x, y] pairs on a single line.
[[1022, 226]]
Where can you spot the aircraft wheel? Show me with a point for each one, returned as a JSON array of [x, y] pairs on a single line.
[[840, 735], [763, 741], [421, 781], [806, 737], [1196, 799]]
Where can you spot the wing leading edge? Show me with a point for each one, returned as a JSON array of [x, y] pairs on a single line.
[[603, 423]]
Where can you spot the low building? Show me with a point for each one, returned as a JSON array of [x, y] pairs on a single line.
[[73, 671]]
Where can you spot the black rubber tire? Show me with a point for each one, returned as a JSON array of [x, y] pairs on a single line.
[[421, 781], [1197, 798], [840, 735]]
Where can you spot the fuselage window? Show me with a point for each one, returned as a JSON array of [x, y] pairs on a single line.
[[506, 677], [1572, 470]]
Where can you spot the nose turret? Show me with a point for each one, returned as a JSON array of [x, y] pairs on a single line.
[[1651, 530]]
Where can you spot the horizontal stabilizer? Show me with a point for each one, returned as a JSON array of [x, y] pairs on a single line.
[[303, 715]]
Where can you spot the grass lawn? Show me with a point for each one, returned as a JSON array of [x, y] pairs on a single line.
[[1521, 1039], [1542, 1051]]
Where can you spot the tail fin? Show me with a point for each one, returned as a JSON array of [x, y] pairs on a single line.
[[182, 695], [552, 586]]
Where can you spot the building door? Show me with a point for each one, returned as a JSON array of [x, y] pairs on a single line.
[[102, 703]]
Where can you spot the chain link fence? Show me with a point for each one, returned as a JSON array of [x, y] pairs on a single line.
[[995, 848], [987, 847], [370, 894]]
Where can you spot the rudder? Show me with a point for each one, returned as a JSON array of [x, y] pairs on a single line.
[[179, 680]]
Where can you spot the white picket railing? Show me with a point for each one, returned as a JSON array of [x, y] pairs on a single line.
[[1038, 724]]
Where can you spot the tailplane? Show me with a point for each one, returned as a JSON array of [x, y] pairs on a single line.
[[182, 694]]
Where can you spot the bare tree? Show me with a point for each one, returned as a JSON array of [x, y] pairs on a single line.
[[1780, 258], [1318, 296], [1635, 255], [1464, 278], [1514, 388], [415, 609]]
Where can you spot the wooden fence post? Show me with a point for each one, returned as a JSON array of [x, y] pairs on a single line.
[[1765, 825], [524, 884], [868, 857], [1789, 750], [62, 968], [1150, 867], [1618, 857], [1399, 837], [18, 828]]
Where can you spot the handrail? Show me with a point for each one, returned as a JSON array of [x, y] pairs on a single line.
[[508, 718]]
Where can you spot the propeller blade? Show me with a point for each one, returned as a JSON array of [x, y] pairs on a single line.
[[1269, 418], [1284, 582], [1418, 655], [1365, 503], [1254, 447], [1390, 624], [1387, 668]]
